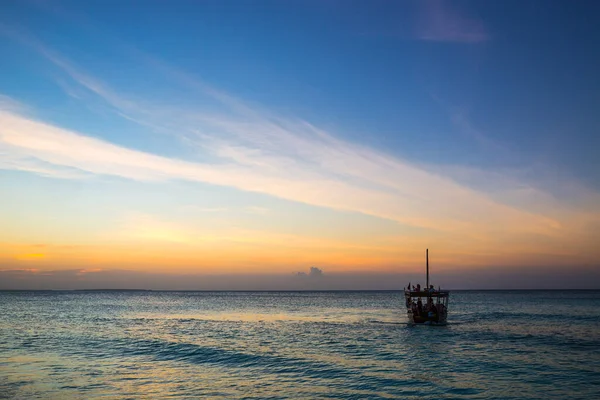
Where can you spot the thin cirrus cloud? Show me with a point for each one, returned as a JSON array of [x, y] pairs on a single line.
[[323, 171], [252, 150], [441, 21]]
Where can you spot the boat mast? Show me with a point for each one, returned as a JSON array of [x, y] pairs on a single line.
[[427, 260]]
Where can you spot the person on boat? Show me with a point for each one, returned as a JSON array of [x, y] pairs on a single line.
[[432, 315], [440, 308], [431, 289], [418, 287], [431, 309], [420, 306], [427, 305]]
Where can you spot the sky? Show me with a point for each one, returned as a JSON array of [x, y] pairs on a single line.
[[299, 144]]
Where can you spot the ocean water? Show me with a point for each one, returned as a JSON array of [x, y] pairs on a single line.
[[299, 345]]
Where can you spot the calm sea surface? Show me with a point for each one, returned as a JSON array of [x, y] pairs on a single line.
[[500, 345]]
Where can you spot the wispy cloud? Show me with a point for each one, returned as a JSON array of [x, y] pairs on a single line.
[[310, 167], [10, 160], [441, 21], [9, 104], [253, 150]]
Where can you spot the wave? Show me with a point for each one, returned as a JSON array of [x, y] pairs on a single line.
[[180, 352]]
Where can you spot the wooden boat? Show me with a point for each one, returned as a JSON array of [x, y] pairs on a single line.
[[435, 309]]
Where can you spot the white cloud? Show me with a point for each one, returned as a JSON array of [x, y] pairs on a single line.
[[321, 171], [252, 150]]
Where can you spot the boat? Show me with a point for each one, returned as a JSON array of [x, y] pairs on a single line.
[[435, 309]]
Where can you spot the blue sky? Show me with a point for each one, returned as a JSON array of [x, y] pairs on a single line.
[[425, 120], [525, 81]]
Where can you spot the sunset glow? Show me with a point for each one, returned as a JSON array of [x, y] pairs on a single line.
[[144, 156]]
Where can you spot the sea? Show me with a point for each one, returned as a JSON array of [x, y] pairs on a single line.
[[297, 345]]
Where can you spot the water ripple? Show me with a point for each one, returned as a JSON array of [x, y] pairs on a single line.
[[504, 345]]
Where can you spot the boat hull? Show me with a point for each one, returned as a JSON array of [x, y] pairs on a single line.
[[423, 320]]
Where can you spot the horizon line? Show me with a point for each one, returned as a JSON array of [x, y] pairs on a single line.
[[290, 291]]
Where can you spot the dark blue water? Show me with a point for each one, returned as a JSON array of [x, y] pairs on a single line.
[[497, 345]]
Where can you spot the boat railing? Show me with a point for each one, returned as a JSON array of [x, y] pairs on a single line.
[[427, 293]]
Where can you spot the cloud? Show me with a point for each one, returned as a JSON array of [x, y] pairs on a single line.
[[251, 149], [490, 278], [10, 160], [312, 167], [440, 21], [313, 273], [9, 104]]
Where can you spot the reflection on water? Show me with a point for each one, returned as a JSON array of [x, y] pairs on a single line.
[[339, 315], [297, 345]]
